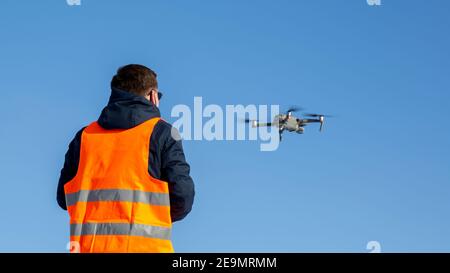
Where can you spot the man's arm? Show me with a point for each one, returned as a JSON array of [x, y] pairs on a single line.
[[69, 169], [175, 170]]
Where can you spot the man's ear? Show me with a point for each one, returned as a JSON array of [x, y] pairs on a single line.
[[154, 97], [148, 95]]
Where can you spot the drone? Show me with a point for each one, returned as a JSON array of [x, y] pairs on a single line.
[[290, 123]]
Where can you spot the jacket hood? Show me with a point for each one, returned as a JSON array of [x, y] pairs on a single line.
[[126, 110]]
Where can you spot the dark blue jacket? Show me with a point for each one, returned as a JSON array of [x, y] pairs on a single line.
[[166, 158]]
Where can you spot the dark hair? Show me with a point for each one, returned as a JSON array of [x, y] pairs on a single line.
[[135, 78]]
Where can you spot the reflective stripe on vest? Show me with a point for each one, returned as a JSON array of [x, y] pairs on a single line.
[[120, 229], [113, 203], [154, 198]]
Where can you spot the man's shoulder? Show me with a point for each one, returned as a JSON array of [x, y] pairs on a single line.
[[165, 130], [78, 134], [164, 125]]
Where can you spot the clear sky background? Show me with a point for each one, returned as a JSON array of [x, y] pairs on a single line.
[[380, 171]]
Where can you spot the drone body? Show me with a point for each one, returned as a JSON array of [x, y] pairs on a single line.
[[290, 123]]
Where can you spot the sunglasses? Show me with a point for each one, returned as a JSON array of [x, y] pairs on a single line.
[[159, 94]]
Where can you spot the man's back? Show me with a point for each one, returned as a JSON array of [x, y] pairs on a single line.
[[126, 164]]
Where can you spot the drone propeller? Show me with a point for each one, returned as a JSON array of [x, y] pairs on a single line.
[[321, 118], [317, 115], [294, 109]]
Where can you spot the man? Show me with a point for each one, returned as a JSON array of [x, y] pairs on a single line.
[[125, 178]]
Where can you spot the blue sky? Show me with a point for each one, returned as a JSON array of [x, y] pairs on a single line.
[[380, 171]]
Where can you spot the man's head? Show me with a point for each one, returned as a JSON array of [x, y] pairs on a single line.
[[137, 79]]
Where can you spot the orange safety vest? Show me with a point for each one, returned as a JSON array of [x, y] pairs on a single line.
[[113, 203]]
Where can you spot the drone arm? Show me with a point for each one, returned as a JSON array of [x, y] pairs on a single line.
[[308, 120], [261, 124], [305, 121]]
